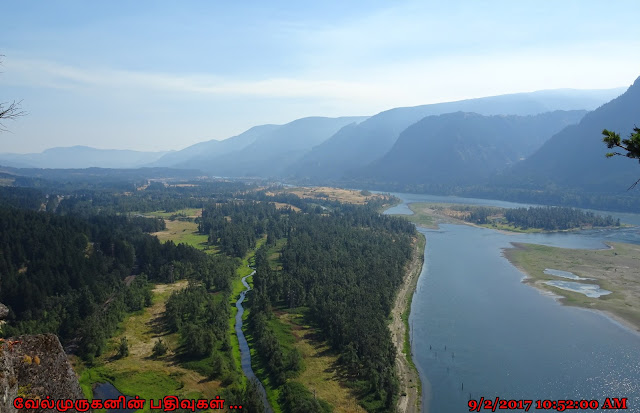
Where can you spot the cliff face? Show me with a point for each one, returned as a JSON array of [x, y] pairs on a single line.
[[35, 367]]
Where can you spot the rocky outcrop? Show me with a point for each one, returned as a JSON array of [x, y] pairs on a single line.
[[35, 367], [4, 311]]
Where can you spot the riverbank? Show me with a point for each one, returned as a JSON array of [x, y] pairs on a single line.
[[409, 379], [614, 269]]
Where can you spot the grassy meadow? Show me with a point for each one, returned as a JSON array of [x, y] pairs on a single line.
[[139, 373]]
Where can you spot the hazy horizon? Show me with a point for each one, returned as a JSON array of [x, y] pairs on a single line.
[[176, 149], [156, 76]]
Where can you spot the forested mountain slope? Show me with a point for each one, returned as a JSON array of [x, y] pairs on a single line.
[[575, 157], [463, 148]]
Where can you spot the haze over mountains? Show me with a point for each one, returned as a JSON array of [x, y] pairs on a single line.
[[266, 151], [317, 145], [370, 140], [530, 141], [80, 157], [199, 154]]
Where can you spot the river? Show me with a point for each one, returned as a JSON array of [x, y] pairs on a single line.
[[245, 354], [478, 331]]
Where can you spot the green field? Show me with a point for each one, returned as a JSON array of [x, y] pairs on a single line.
[[322, 374], [183, 231], [274, 254], [420, 218], [140, 374]]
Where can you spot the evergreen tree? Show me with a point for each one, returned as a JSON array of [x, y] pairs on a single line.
[[630, 145], [123, 349], [159, 349]]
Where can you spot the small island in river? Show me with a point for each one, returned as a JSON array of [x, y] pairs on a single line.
[[532, 219]]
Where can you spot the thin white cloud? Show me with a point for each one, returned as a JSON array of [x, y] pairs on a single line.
[[403, 83], [26, 72]]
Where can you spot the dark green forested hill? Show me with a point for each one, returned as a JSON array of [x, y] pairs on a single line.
[[340, 266], [65, 274], [464, 148]]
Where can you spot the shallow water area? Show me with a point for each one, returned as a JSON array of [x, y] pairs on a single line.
[[590, 290], [564, 274]]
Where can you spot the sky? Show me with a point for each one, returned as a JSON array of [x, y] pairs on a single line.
[[163, 75]]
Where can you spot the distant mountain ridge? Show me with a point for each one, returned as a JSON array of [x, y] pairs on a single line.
[[80, 157], [199, 153], [275, 149], [38, 176], [313, 149], [357, 146]]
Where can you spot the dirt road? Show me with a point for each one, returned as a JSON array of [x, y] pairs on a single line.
[[409, 400]]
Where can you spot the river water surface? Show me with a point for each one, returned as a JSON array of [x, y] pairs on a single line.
[[477, 331]]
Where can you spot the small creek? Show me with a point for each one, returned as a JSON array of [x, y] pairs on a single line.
[[245, 354]]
